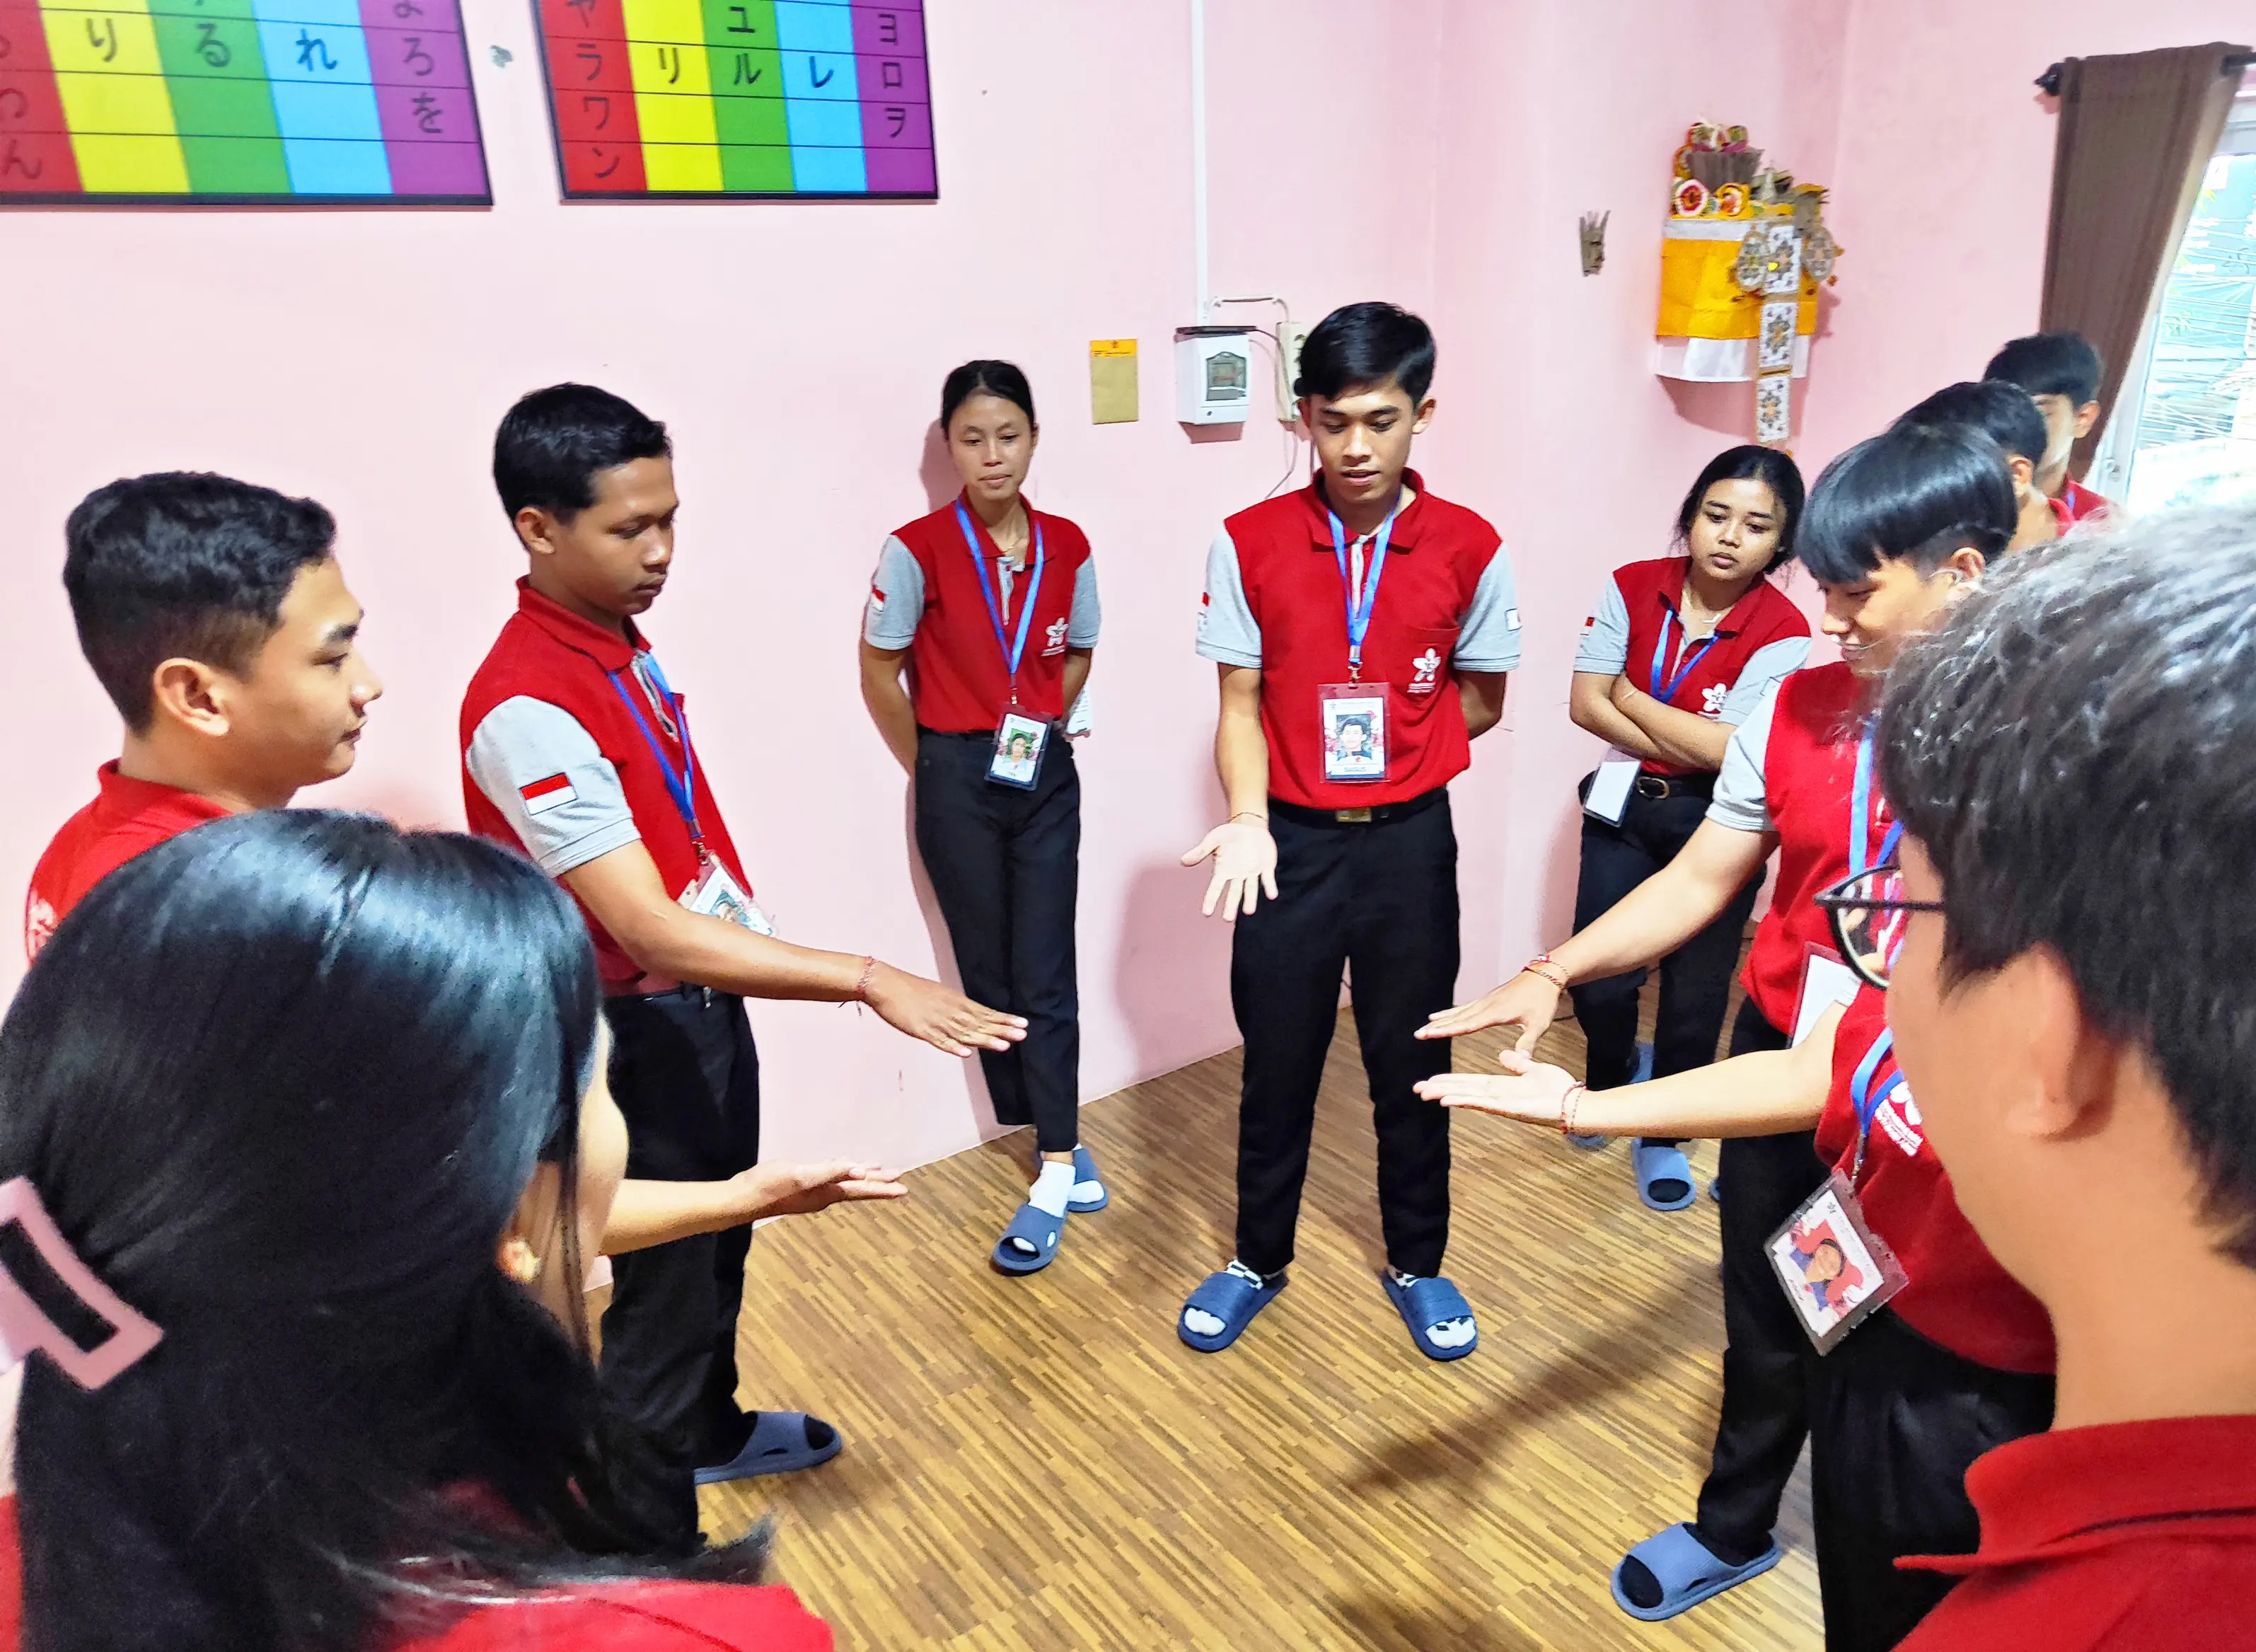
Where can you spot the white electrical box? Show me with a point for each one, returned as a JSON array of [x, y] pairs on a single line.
[[1214, 374]]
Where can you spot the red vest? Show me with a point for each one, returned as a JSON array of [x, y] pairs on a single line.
[[547, 654], [1808, 776], [960, 676], [1958, 1294], [1652, 591], [1435, 556]]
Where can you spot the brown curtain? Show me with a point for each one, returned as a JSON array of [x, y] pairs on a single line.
[[2136, 133]]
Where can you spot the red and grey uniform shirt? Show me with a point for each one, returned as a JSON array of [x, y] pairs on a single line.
[[2116, 1537], [1637, 628], [925, 597], [126, 817], [2078, 501], [555, 763], [1274, 601], [1958, 1295], [1790, 770]]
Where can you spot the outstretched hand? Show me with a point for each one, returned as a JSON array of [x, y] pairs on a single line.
[[939, 1015], [801, 1190], [1527, 1001], [1533, 1092], [1245, 867]]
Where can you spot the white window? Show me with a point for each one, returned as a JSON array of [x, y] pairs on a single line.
[[2185, 428]]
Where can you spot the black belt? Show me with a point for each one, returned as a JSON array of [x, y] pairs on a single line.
[[1375, 814], [1655, 787]]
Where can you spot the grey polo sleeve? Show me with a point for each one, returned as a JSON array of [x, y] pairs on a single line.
[[1742, 799], [1765, 668], [1226, 631], [540, 767], [1488, 637], [1087, 615], [888, 621], [1605, 640]]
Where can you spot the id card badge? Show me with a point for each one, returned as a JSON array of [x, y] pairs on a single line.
[[716, 894], [1354, 717], [1610, 787], [1019, 744], [1834, 1270], [1826, 981]]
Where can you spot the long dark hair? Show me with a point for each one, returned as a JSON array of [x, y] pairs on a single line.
[[1775, 471], [281, 1082]]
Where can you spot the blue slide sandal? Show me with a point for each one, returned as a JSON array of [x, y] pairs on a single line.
[[1232, 1298], [1425, 1303], [1039, 1229], [1592, 1143], [781, 1442], [1664, 1176], [1084, 1169], [1685, 1573]]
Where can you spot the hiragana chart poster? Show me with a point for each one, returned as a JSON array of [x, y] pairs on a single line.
[[761, 97], [277, 101]]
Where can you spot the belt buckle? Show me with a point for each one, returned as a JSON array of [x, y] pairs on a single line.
[[1652, 786], [1352, 817]]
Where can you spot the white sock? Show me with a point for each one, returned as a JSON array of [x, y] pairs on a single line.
[[1447, 1333], [1085, 1191], [1203, 1323], [1051, 1187]]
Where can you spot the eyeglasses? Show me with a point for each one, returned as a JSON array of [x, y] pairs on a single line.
[[1869, 911]]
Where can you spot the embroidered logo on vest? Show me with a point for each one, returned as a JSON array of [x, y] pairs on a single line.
[[1429, 667]]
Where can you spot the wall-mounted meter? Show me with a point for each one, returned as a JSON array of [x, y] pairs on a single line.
[[1214, 374]]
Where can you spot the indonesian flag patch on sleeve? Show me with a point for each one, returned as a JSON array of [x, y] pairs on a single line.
[[543, 796]]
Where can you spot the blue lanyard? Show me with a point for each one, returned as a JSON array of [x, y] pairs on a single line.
[[1012, 651], [1868, 1105], [1691, 658], [1860, 815], [1360, 603], [683, 786]]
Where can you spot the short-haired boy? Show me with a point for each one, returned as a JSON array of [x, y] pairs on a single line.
[[2074, 759], [577, 749], [2010, 419], [1362, 628], [217, 616], [2060, 373]]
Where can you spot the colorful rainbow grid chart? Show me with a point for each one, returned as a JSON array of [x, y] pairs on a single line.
[[764, 97], [233, 101]]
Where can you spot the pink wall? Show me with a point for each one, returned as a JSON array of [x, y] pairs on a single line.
[[363, 358]]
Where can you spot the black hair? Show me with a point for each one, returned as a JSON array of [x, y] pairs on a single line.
[[182, 565], [1914, 493], [2075, 748], [2051, 364], [1774, 469], [985, 379], [554, 443], [1363, 346], [301, 1171], [2001, 412]]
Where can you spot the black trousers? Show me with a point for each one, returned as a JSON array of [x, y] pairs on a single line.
[[1379, 898], [1695, 979], [1764, 1414], [1895, 1421], [1005, 865], [688, 1079]]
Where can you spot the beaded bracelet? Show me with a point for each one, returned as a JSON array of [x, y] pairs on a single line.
[[862, 986], [1567, 1108], [1549, 967]]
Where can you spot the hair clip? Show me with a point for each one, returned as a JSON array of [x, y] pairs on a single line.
[[26, 1326]]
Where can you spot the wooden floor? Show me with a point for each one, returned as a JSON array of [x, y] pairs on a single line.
[[1038, 1463]]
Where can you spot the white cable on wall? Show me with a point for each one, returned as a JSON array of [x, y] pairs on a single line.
[[1198, 155]]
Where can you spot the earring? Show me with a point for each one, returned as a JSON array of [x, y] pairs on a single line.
[[519, 1260]]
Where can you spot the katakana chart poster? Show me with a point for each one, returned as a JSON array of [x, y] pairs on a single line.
[[761, 98], [272, 102]]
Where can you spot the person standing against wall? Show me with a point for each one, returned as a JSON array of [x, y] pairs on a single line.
[[991, 606], [1680, 650], [1361, 603]]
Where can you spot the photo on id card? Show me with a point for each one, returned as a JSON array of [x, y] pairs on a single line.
[[1355, 731], [1019, 744], [1833, 1268], [716, 894]]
